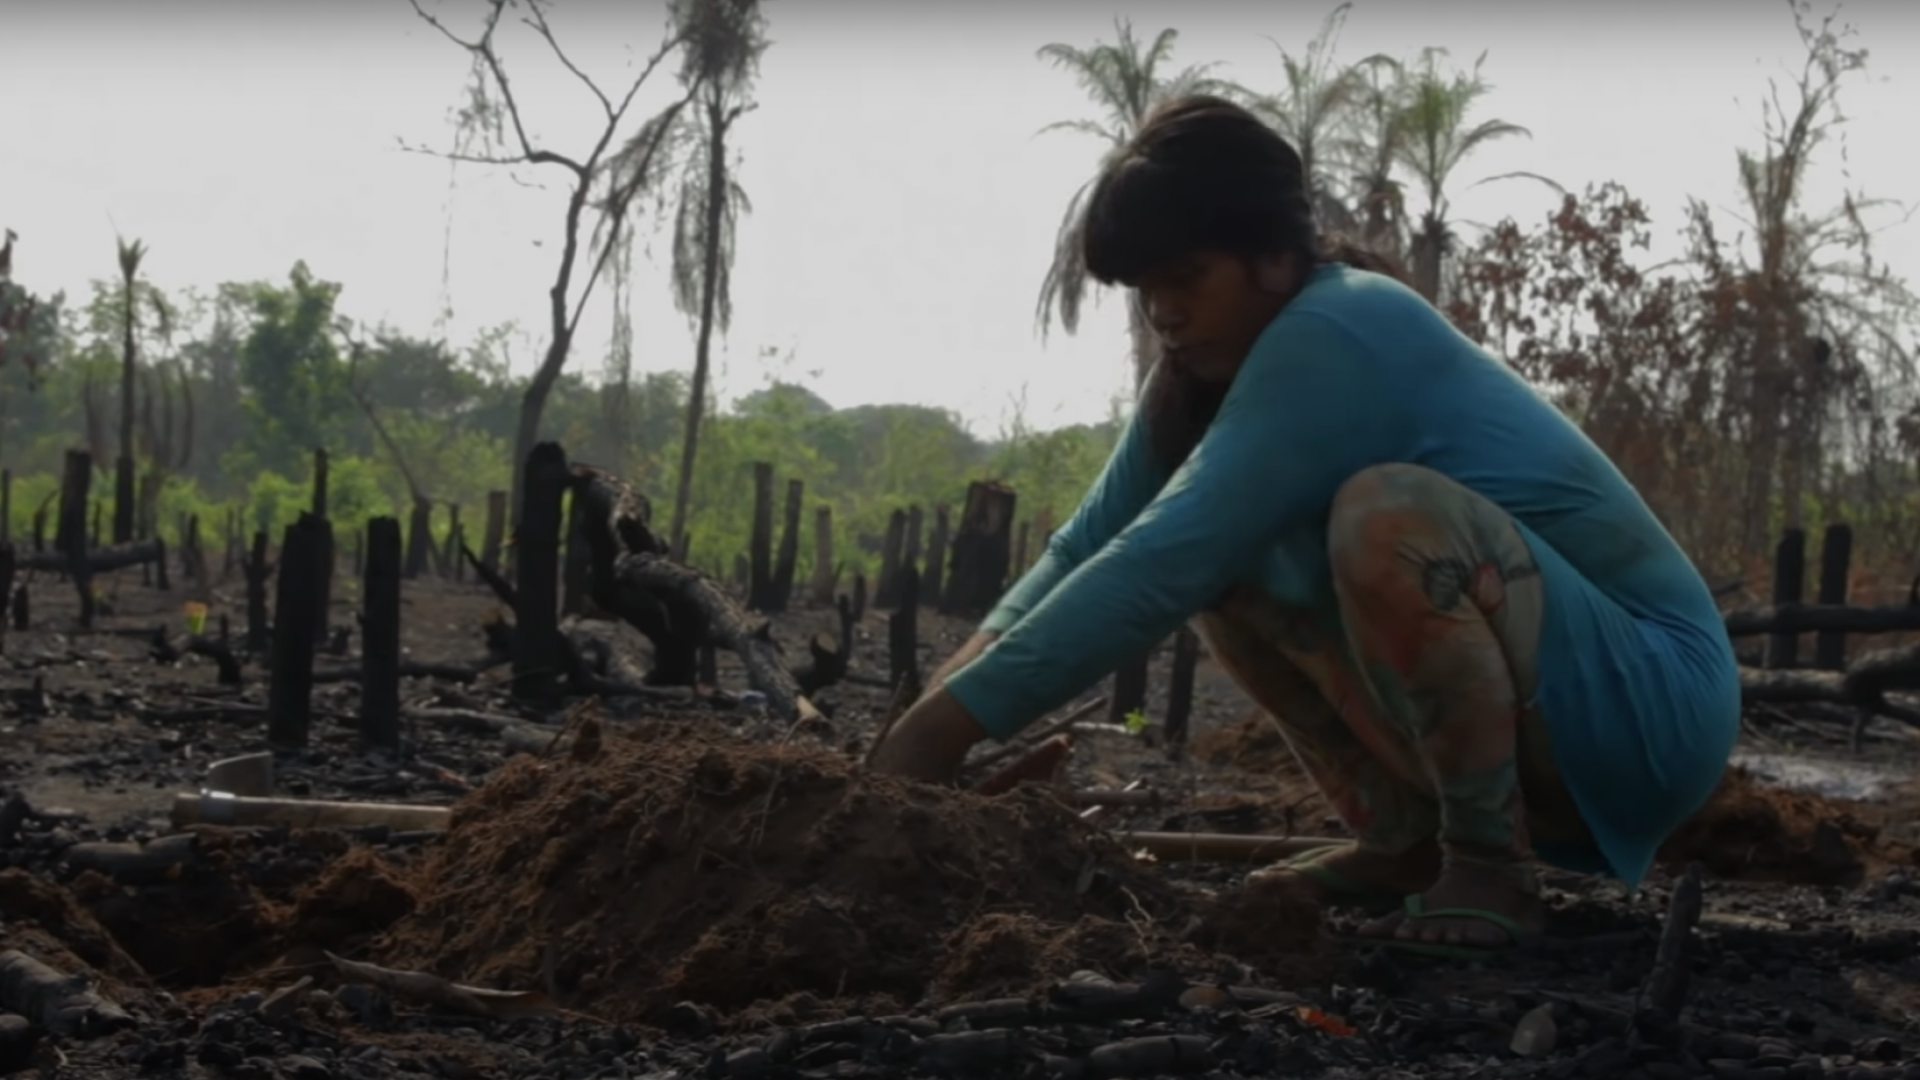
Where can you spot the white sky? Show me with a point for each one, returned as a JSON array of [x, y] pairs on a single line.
[[903, 209]]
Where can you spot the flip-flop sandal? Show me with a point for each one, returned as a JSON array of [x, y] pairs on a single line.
[[1415, 910], [1342, 889]]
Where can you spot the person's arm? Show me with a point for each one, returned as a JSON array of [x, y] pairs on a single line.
[[967, 653], [1301, 418]]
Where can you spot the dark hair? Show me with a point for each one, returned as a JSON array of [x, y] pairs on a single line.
[[1201, 174]]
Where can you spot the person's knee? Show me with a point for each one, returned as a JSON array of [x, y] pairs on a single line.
[[1375, 512]]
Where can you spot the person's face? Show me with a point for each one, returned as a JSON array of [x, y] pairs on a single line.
[[1208, 307]]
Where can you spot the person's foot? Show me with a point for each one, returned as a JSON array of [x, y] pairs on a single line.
[[1500, 891], [1349, 874]]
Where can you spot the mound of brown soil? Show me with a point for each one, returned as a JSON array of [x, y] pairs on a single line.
[[681, 865], [1751, 831]]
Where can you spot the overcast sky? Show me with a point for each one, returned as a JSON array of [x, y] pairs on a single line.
[[903, 207]]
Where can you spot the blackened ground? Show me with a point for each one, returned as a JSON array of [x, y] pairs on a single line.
[[707, 893]]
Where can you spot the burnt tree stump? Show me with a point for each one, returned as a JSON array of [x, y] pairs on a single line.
[[982, 550], [324, 566], [786, 562], [536, 631], [380, 636], [760, 540], [832, 655], [70, 530], [886, 589], [193, 564], [1186, 657], [931, 577], [903, 634], [297, 591]]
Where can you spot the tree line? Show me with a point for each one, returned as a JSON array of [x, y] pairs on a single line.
[[1763, 379]]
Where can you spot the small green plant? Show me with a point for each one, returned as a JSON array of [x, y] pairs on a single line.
[[1136, 722]]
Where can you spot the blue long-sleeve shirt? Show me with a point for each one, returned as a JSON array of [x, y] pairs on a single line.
[[1637, 678]]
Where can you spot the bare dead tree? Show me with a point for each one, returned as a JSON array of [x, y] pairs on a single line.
[[491, 131]]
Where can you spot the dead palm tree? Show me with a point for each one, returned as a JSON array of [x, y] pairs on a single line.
[[1436, 137], [1377, 127], [1316, 109], [1126, 80], [724, 41], [134, 294]]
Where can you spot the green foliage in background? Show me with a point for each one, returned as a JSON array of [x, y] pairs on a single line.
[[254, 375]]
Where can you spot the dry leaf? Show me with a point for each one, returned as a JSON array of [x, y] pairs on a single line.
[[1332, 1025], [434, 990]]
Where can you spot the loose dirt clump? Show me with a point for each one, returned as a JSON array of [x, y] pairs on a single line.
[[1272, 923], [1751, 831], [241, 912], [64, 927], [683, 865]]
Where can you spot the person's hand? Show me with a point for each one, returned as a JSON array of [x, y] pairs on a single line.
[[929, 741]]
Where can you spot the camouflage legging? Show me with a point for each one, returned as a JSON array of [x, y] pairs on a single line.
[[1409, 700]]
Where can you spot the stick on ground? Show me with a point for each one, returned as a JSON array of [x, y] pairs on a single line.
[[1666, 987], [1059, 727]]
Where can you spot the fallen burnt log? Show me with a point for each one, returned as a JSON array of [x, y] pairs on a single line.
[[456, 673], [164, 650], [137, 864], [595, 666], [98, 561], [1813, 618], [1864, 684], [677, 608]]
